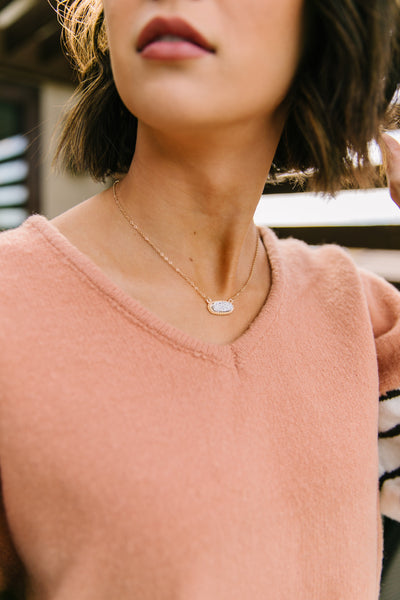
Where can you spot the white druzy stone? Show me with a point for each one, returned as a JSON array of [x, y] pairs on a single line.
[[220, 307]]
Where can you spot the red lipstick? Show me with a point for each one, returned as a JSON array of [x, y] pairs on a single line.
[[171, 38]]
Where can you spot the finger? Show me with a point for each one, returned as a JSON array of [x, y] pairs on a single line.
[[393, 166]]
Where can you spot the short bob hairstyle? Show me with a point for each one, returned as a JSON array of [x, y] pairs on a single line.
[[339, 101]]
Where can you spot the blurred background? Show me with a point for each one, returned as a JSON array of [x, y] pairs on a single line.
[[36, 82]]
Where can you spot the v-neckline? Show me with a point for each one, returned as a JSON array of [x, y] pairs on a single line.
[[234, 353]]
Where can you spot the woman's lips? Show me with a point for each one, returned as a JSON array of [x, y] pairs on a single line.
[[171, 39], [165, 50]]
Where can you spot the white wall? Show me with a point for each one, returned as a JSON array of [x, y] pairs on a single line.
[[59, 192]]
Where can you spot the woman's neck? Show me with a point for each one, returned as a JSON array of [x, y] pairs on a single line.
[[195, 198]]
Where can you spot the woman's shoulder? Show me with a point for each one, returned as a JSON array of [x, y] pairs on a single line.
[[325, 254], [28, 258], [22, 246], [322, 266]]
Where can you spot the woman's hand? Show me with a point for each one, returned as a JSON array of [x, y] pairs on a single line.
[[393, 167]]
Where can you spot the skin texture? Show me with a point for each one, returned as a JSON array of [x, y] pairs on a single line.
[[256, 52], [208, 127], [208, 130], [393, 167]]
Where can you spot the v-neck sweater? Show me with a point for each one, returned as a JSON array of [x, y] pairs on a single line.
[[138, 462]]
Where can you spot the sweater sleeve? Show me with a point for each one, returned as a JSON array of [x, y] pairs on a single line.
[[384, 307]]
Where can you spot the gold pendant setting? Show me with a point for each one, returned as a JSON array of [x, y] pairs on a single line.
[[220, 307]]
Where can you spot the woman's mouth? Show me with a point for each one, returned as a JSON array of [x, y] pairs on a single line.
[[172, 39]]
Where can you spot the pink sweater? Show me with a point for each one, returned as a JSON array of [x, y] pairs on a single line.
[[138, 463]]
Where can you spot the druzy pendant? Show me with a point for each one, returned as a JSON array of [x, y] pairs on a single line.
[[220, 307]]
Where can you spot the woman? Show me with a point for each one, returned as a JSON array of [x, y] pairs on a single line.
[[189, 406]]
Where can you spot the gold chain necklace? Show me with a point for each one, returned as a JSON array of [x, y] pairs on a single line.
[[215, 307]]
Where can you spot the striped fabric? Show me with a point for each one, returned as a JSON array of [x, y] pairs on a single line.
[[389, 453]]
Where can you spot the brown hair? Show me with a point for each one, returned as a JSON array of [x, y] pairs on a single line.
[[338, 103]]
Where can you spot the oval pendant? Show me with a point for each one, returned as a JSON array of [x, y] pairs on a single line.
[[220, 307]]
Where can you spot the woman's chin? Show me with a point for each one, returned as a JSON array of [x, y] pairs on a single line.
[[180, 120]]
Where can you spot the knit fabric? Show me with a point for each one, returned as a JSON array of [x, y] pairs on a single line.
[[140, 463]]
